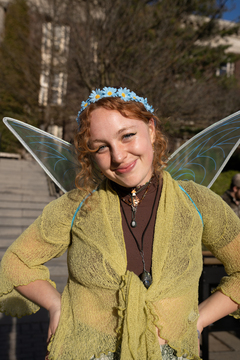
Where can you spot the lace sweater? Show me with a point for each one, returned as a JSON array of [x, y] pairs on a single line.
[[103, 304]]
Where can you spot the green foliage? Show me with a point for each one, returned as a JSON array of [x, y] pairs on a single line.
[[223, 182]]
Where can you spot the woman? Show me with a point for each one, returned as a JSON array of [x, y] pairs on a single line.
[[134, 238]]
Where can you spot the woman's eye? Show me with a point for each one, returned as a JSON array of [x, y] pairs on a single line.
[[128, 136], [101, 148]]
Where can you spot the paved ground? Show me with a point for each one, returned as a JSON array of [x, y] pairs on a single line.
[[224, 346], [23, 194]]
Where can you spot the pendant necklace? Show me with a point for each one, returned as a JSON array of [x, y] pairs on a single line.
[[145, 277], [134, 201]]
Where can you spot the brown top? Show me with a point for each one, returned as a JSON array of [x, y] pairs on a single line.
[[145, 219]]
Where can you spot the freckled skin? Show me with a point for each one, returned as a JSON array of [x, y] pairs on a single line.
[[125, 152]]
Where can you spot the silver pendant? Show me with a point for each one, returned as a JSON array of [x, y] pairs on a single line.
[[146, 279], [133, 224]]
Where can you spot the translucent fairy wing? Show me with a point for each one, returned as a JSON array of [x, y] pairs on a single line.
[[200, 159], [56, 156], [203, 157]]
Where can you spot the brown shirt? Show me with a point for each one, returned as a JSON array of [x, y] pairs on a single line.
[[145, 219]]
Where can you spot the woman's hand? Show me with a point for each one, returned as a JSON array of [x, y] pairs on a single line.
[[214, 308], [54, 314], [45, 295]]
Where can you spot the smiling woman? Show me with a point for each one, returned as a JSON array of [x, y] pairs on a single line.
[[127, 116], [124, 147], [134, 240]]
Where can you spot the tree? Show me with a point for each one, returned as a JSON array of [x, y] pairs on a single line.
[[160, 49], [19, 69]]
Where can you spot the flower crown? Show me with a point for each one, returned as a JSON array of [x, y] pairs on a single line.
[[124, 94]]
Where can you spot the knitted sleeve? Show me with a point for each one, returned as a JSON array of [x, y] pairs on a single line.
[[221, 235], [23, 262]]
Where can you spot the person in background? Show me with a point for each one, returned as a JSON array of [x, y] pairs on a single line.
[[232, 196]]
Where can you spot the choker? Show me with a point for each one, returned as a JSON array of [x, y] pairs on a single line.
[[134, 201]]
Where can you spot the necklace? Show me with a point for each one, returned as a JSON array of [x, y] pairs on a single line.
[[134, 201], [145, 277]]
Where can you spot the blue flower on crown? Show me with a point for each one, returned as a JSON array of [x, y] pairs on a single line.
[[84, 104], [124, 94], [109, 92], [95, 95], [133, 96], [147, 106], [140, 99]]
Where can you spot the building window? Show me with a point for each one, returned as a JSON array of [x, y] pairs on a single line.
[[53, 78], [59, 87], [226, 69]]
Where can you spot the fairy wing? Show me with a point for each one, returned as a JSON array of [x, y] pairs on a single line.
[[200, 159], [203, 157], [56, 156]]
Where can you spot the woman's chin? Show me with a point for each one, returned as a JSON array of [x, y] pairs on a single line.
[[127, 183]]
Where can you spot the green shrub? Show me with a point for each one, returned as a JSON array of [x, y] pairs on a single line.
[[223, 182]]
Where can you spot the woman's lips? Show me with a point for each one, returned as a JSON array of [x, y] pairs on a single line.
[[126, 169]]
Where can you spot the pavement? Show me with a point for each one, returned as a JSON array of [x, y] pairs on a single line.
[[24, 192]]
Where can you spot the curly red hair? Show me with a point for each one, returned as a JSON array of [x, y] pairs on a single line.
[[90, 176]]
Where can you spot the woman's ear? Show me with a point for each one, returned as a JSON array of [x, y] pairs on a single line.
[[152, 130]]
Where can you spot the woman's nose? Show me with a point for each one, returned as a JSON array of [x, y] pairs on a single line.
[[117, 154]]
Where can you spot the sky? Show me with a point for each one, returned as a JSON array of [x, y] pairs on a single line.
[[235, 13]]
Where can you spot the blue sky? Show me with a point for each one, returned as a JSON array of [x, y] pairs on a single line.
[[235, 13]]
